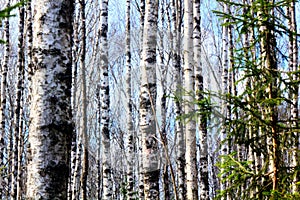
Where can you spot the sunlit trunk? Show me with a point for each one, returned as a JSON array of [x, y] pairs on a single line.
[[51, 124], [18, 142], [3, 107], [199, 89], [130, 128], [147, 103], [189, 107], [105, 104]]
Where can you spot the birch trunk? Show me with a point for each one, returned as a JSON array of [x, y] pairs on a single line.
[[3, 181], [29, 22], [162, 68], [23, 178], [76, 145], [202, 124], [51, 124], [189, 83], [130, 133], [104, 98], [225, 145], [140, 151], [99, 159], [85, 160], [18, 142], [77, 170], [148, 102], [176, 9]]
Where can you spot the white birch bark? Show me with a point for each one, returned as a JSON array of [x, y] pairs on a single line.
[[98, 156], [140, 151], [176, 8], [130, 133], [18, 142], [162, 68], [51, 124], [148, 102], [224, 147], [22, 178], [77, 170], [98, 126], [85, 159], [104, 98], [202, 124], [29, 22], [189, 83], [4, 69], [76, 144]]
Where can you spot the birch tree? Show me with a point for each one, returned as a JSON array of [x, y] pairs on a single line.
[[176, 10], [85, 160], [104, 99], [148, 102], [224, 111], [76, 144], [4, 68], [199, 89], [189, 83], [130, 133], [18, 136], [140, 148], [51, 124]]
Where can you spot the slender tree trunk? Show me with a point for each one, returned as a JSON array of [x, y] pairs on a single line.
[[225, 145], [72, 179], [140, 151], [3, 181], [147, 103], [202, 124], [51, 123], [16, 169], [28, 74], [189, 83], [254, 131], [76, 145], [99, 139], [85, 160], [104, 98], [293, 67], [162, 68], [77, 170], [176, 9], [269, 65], [130, 133]]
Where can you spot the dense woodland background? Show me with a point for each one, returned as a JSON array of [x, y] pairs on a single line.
[[149, 99]]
